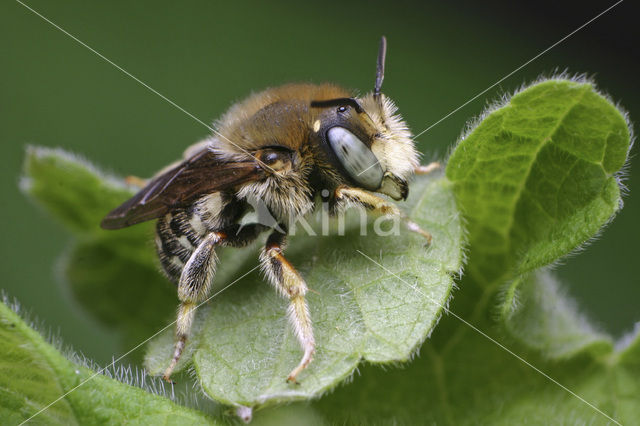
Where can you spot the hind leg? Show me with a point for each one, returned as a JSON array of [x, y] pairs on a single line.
[[193, 288]]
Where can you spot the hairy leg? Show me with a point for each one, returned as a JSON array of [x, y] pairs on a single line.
[[197, 277], [193, 288], [290, 284], [425, 170], [136, 181], [346, 195]]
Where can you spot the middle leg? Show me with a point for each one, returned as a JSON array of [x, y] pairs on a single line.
[[196, 279]]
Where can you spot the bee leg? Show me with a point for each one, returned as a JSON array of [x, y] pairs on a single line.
[[136, 181], [425, 170], [290, 284], [345, 195], [193, 288]]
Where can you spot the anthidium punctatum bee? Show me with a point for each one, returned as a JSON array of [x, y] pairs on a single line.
[[283, 147]]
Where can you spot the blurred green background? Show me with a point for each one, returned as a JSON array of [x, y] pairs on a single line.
[[206, 55]]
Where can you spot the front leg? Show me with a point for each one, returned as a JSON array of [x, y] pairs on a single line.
[[425, 170], [290, 284], [136, 181], [344, 196]]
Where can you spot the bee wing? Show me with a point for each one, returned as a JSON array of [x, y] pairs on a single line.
[[203, 173]]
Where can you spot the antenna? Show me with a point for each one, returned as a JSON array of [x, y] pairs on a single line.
[[382, 53]]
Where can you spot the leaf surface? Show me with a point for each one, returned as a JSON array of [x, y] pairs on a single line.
[[536, 178], [537, 312], [475, 381], [113, 275], [33, 374], [243, 347]]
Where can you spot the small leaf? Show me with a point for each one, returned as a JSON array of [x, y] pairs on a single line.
[[34, 374], [537, 177], [114, 275], [71, 189], [539, 315], [243, 348]]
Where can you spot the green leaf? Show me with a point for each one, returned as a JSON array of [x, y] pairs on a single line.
[[537, 177], [72, 190], [473, 381], [243, 347], [34, 374], [537, 313], [114, 275]]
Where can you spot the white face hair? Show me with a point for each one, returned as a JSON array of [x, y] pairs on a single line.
[[394, 147]]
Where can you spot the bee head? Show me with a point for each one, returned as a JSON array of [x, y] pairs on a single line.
[[367, 140]]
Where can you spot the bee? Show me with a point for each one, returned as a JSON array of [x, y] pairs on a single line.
[[286, 147]]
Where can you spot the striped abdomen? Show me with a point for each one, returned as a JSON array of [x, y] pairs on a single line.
[[176, 239], [179, 233]]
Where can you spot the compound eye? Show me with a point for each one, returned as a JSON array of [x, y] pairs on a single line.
[[275, 159], [356, 158]]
